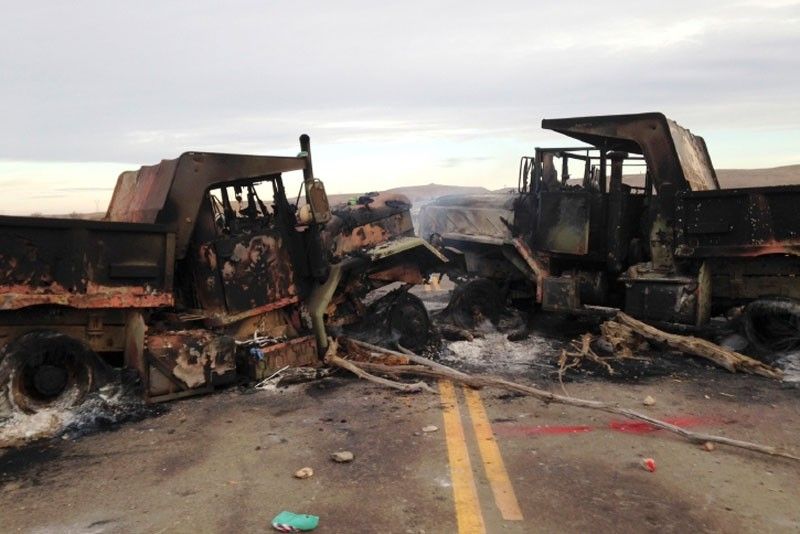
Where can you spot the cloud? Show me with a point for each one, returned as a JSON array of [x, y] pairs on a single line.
[[96, 81]]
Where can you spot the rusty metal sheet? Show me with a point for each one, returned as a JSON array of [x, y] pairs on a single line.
[[189, 359], [370, 220], [297, 352], [140, 195], [84, 264], [21, 296], [240, 276]]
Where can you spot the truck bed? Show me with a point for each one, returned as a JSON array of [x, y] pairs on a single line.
[[84, 264], [743, 222]]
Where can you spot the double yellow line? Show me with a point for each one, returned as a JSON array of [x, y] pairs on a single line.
[[465, 494]]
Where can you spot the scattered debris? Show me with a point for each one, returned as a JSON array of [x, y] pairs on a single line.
[[430, 428], [648, 401], [291, 522], [427, 368], [111, 405], [287, 376], [342, 457], [272, 380], [708, 446], [649, 464], [305, 472]]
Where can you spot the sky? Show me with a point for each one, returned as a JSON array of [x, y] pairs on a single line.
[[391, 93]]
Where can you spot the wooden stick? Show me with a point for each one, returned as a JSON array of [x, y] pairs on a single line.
[[411, 356], [730, 360], [332, 359], [418, 370], [442, 371]]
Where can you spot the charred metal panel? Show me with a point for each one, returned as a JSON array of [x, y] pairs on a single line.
[[370, 220], [243, 271], [563, 225], [102, 330], [676, 159], [186, 180], [560, 294], [651, 295], [261, 362], [188, 360], [406, 259], [140, 195], [84, 264], [736, 280], [694, 158], [739, 222], [255, 272]]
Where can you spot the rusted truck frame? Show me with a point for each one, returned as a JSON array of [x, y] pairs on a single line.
[[672, 248], [193, 280]]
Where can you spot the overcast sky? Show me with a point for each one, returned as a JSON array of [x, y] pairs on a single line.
[[410, 92]]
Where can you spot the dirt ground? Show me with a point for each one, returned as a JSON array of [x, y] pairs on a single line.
[[224, 463]]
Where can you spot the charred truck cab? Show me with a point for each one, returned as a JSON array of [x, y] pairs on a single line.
[[204, 269], [635, 220]]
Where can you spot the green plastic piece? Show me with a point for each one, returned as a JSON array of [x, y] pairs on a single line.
[[302, 522]]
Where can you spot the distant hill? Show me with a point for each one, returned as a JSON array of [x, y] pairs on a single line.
[[420, 194], [788, 174], [733, 178], [417, 193]]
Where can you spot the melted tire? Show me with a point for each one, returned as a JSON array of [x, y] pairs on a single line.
[[409, 323], [45, 369], [772, 326], [473, 302], [397, 317]]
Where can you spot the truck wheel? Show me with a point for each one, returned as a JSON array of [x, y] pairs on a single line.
[[473, 302], [46, 369], [773, 326], [409, 322]]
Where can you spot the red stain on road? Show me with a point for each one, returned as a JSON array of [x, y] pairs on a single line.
[[641, 427], [632, 427]]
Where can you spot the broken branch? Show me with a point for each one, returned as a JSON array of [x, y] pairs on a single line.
[[444, 372], [332, 359], [728, 359]]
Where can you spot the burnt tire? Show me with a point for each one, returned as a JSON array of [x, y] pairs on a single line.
[[773, 326], [45, 369], [408, 322], [474, 301]]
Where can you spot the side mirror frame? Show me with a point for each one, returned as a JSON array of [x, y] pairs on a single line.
[[316, 198]]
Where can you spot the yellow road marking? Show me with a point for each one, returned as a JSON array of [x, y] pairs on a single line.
[[465, 495], [496, 473]]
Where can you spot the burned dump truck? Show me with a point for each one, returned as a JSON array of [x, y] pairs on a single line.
[[636, 220], [204, 269]]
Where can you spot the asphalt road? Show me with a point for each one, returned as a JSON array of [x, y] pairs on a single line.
[[496, 463]]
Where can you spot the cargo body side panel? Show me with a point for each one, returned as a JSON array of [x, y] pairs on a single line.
[[84, 264]]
